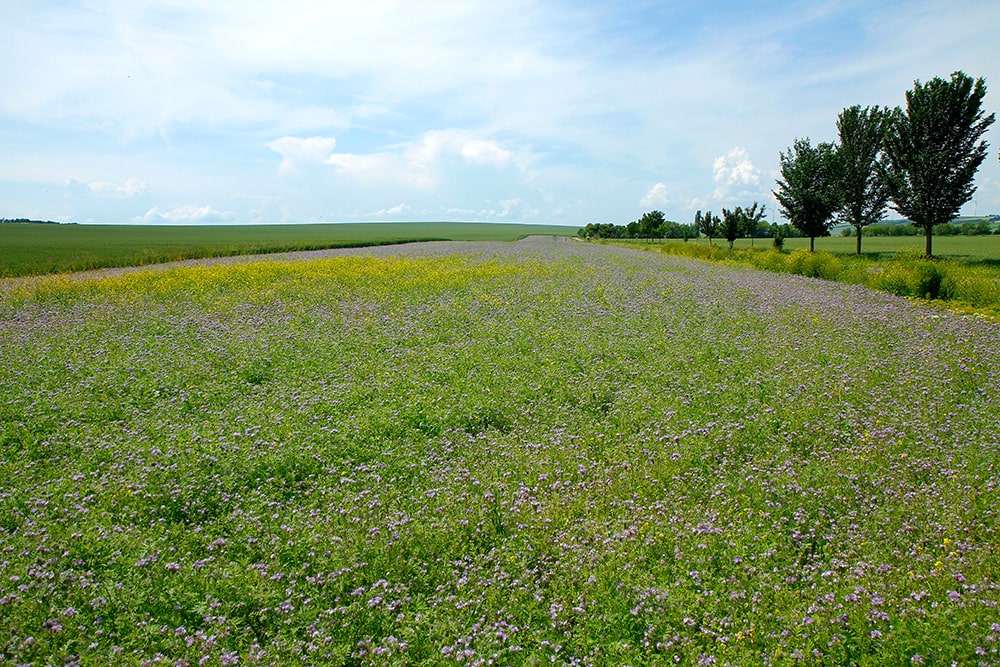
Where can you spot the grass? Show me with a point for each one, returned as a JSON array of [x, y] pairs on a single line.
[[34, 249], [964, 274], [541, 453], [971, 249]]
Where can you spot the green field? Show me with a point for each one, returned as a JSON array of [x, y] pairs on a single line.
[[32, 249], [543, 452], [973, 249], [962, 248]]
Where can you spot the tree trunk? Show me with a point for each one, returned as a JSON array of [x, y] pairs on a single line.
[[858, 231], [927, 246], [812, 244]]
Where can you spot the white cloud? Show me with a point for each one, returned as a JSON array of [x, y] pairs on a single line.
[[418, 164], [657, 196], [297, 152], [735, 176], [377, 168], [399, 210], [735, 168], [479, 151], [189, 214], [131, 188]]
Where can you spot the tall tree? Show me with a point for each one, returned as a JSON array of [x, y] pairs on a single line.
[[863, 191], [807, 190], [934, 150]]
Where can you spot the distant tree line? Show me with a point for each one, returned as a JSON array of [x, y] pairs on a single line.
[[922, 161], [26, 221], [982, 228], [654, 225]]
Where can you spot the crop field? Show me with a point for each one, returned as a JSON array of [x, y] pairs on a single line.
[[542, 452], [32, 249]]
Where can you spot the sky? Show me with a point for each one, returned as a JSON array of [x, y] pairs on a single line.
[[547, 111]]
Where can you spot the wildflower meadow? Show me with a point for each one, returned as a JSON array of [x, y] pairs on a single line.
[[542, 452]]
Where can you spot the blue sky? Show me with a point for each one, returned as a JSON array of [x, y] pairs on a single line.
[[236, 111]]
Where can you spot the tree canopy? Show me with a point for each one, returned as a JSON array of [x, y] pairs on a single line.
[[807, 190], [862, 189], [741, 222], [933, 150]]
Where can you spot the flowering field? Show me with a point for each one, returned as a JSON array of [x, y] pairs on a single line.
[[542, 452]]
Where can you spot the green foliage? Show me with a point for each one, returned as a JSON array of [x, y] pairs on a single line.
[[652, 225], [741, 222], [807, 190], [862, 190], [934, 150], [708, 224]]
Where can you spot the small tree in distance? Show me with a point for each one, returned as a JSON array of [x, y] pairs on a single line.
[[707, 224], [740, 222], [932, 150], [752, 217], [807, 192], [732, 225]]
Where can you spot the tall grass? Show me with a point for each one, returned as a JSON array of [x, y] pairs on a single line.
[[973, 286]]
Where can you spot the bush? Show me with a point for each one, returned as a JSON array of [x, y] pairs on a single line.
[[695, 250], [909, 274], [929, 279], [814, 264], [772, 260], [893, 278]]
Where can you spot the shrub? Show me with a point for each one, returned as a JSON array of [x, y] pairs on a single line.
[[814, 264], [975, 287], [773, 260], [893, 278], [929, 279], [695, 250], [797, 261]]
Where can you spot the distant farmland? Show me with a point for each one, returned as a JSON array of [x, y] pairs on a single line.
[[33, 249]]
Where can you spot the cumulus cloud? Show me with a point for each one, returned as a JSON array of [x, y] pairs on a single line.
[[189, 214], [479, 151], [298, 152], [657, 196], [418, 163], [735, 168]]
